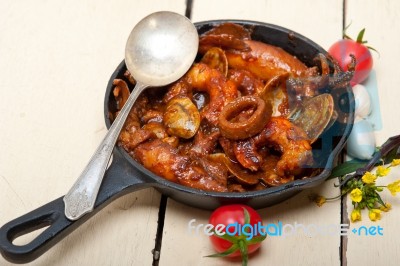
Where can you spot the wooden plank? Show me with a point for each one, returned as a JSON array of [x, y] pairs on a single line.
[[302, 248], [380, 18], [322, 22], [56, 59]]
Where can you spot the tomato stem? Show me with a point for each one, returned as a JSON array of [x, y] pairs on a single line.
[[243, 251], [246, 216], [359, 39], [361, 36], [242, 242]]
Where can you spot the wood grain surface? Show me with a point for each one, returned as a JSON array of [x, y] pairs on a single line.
[[381, 20], [55, 60]]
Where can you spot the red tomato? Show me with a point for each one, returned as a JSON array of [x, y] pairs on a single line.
[[341, 51], [231, 214]]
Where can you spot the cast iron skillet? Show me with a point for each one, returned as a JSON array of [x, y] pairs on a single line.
[[126, 175]]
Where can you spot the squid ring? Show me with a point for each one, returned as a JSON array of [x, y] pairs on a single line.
[[233, 128]]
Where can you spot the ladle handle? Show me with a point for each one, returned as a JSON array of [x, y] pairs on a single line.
[[81, 197], [121, 178]]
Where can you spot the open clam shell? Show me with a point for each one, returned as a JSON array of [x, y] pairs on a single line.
[[314, 115], [216, 58]]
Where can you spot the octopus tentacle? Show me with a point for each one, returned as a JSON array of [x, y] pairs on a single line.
[[288, 139]]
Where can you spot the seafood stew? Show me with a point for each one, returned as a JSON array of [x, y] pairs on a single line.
[[239, 120]]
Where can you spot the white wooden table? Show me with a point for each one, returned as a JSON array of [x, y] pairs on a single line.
[[55, 60]]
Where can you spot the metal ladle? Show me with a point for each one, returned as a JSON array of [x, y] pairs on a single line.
[[159, 50]]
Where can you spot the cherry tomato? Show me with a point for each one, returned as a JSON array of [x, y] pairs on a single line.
[[341, 51], [231, 214]]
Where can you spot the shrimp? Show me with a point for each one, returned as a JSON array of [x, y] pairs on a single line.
[[220, 90], [165, 161]]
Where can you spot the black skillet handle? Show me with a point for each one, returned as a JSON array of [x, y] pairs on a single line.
[[120, 178]]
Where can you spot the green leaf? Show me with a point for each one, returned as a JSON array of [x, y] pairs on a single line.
[[256, 240], [227, 252], [380, 200], [346, 168], [246, 216], [373, 49], [232, 239], [351, 166], [360, 36]]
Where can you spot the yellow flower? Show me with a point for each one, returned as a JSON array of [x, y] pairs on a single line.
[[355, 215], [386, 207], [395, 162], [382, 171], [374, 215], [368, 178], [394, 187], [356, 195], [320, 200]]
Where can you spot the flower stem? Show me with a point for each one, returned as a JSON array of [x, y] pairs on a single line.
[[334, 198], [388, 146]]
